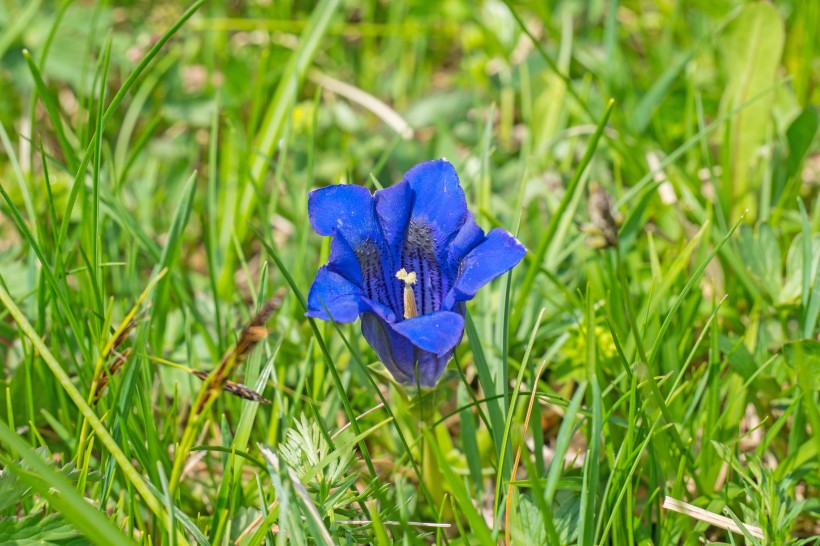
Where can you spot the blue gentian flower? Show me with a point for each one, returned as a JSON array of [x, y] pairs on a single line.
[[404, 261]]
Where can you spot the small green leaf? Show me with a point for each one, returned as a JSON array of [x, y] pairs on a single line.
[[750, 54], [36, 530], [60, 493], [800, 135], [804, 357]]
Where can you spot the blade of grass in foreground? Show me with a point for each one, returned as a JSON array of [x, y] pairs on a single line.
[[65, 382], [257, 378], [96, 237], [331, 365], [809, 300], [477, 524], [428, 497], [589, 488], [546, 513], [495, 408], [169, 258], [109, 111], [563, 209], [60, 493], [511, 412], [275, 116], [656, 346], [562, 444]]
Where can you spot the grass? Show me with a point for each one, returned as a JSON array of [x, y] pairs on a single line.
[[647, 375]]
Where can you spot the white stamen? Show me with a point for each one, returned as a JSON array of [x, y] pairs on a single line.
[[410, 309]]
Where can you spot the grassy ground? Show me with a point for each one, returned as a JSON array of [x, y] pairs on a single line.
[[154, 167]]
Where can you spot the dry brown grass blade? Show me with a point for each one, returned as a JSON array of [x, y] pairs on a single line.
[[129, 322], [709, 517], [251, 334], [236, 389], [128, 329], [119, 360]]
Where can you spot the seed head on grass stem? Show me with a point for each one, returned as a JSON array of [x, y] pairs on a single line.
[[249, 337]]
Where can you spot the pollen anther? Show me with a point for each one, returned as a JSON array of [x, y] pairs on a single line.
[[410, 309]]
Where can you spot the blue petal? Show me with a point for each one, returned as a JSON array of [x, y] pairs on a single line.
[[396, 352], [467, 238], [419, 217], [345, 209], [436, 333], [330, 292], [358, 253], [343, 260], [398, 347], [393, 208], [431, 366], [438, 200], [499, 253], [367, 305]]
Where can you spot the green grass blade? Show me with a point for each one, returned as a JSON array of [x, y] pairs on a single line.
[[53, 112], [23, 229], [477, 524], [275, 116], [546, 240], [656, 346], [556, 467], [505, 438], [60, 493], [169, 258], [337, 380], [807, 274], [589, 487], [129, 82], [495, 408], [65, 382]]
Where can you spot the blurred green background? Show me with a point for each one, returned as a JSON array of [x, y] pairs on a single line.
[[120, 158]]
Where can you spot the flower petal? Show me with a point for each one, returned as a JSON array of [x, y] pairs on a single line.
[[431, 366], [497, 254], [343, 260], [331, 292], [393, 208], [358, 252], [468, 237], [396, 352], [367, 305], [419, 217], [436, 333], [438, 200], [344, 208]]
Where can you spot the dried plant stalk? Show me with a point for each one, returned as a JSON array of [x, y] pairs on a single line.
[[215, 382], [709, 517], [251, 334], [236, 389]]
